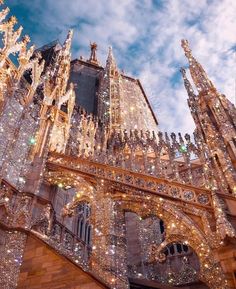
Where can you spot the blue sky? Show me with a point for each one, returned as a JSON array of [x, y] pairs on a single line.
[[145, 36]]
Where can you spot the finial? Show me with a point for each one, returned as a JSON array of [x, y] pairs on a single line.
[[93, 54], [111, 60], [26, 39], [12, 20], [69, 36], [110, 53], [67, 43], [185, 46]]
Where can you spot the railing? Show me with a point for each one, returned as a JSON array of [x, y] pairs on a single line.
[[148, 183], [16, 211]]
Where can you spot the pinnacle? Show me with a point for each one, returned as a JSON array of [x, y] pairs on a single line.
[[69, 36], [110, 53], [110, 58], [186, 48]]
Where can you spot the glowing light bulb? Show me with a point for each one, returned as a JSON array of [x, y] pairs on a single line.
[[32, 141], [183, 149], [21, 180]]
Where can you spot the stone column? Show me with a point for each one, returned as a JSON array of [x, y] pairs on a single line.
[[227, 257], [12, 244], [108, 259]]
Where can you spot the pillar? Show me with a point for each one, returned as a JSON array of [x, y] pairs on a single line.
[[108, 259]]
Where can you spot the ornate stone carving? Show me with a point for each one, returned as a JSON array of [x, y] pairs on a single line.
[[45, 140]]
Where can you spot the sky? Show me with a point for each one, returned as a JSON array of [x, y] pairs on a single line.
[[145, 36]]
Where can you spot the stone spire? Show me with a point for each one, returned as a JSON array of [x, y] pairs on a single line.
[[198, 74], [212, 113], [58, 74], [64, 97], [188, 85], [192, 98], [64, 62], [10, 38], [58, 103], [67, 44], [111, 63], [109, 94]]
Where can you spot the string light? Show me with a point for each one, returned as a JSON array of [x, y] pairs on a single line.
[[32, 141], [127, 168]]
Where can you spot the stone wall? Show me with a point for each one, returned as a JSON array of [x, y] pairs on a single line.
[[43, 268]]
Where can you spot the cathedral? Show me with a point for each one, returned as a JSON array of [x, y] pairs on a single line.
[[92, 194]]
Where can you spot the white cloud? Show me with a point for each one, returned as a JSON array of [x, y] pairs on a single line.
[[154, 29]]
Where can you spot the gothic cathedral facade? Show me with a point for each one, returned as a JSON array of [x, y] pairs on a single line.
[[92, 193]]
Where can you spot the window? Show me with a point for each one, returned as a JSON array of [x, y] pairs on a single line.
[[89, 235], [172, 249], [162, 228], [185, 248], [80, 228], [179, 248]]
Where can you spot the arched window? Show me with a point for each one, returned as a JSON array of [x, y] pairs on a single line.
[[78, 226], [162, 228], [85, 233], [81, 228], [166, 251], [179, 248], [185, 248], [89, 235], [172, 249]]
